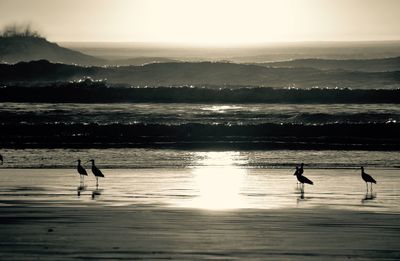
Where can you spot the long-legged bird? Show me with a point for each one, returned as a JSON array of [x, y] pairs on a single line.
[[302, 179], [299, 171], [367, 178], [96, 172], [81, 170]]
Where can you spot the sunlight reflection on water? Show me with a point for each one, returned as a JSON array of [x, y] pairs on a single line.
[[218, 182], [215, 181], [219, 188]]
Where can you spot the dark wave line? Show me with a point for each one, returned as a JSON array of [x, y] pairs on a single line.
[[376, 136], [78, 93]]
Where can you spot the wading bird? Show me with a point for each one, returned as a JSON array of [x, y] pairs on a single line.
[[302, 179], [367, 178], [96, 172], [299, 171], [81, 170]]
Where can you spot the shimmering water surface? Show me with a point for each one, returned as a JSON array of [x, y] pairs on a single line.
[[180, 113], [215, 180], [205, 188], [123, 158], [226, 179]]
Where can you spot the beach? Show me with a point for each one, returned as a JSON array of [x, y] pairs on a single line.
[[206, 212], [199, 130]]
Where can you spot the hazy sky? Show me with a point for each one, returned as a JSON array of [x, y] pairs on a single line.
[[207, 21]]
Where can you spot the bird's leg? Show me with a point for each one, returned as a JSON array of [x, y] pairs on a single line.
[[366, 183], [371, 187], [97, 182]]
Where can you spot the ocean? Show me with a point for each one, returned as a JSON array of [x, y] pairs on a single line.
[[174, 135]]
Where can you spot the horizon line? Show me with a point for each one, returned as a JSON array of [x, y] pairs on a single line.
[[234, 43]]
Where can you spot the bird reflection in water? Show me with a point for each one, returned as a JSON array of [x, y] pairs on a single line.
[[301, 198], [369, 196], [96, 193], [81, 188], [301, 195]]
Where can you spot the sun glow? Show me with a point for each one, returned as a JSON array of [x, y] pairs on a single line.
[[219, 183], [207, 22]]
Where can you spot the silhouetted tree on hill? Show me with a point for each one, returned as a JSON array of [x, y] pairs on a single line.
[[19, 30]]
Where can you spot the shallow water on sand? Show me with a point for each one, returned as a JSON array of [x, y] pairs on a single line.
[[132, 158], [204, 187]]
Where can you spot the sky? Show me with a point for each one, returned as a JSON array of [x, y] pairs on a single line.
[[207, 21]]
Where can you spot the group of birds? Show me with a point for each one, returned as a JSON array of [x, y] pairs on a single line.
[[298, 173], [303, 179], [82, 171]]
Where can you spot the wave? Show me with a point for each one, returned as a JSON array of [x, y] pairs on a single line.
[[77, 93], [376, 136], [233, 118]]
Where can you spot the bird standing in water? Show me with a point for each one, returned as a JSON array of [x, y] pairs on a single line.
[[302, 179], [299, 171], [81, 170], [96, 172], [367, 178]]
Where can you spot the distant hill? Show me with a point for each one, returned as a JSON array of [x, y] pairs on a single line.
[[367, 65], [203, 73], [19, 48]]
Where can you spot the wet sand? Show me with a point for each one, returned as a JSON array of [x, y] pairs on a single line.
[[256, 214], [57, 233]]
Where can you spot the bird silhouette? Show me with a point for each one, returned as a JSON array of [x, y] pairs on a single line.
[[96, 172], [81, 170], [1, 159], [367, 178], [302, 179]]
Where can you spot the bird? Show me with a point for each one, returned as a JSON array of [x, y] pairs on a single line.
[[96, 172], [302, 179], [1, 159], [81, 170], [299, 170], [367, 178]]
